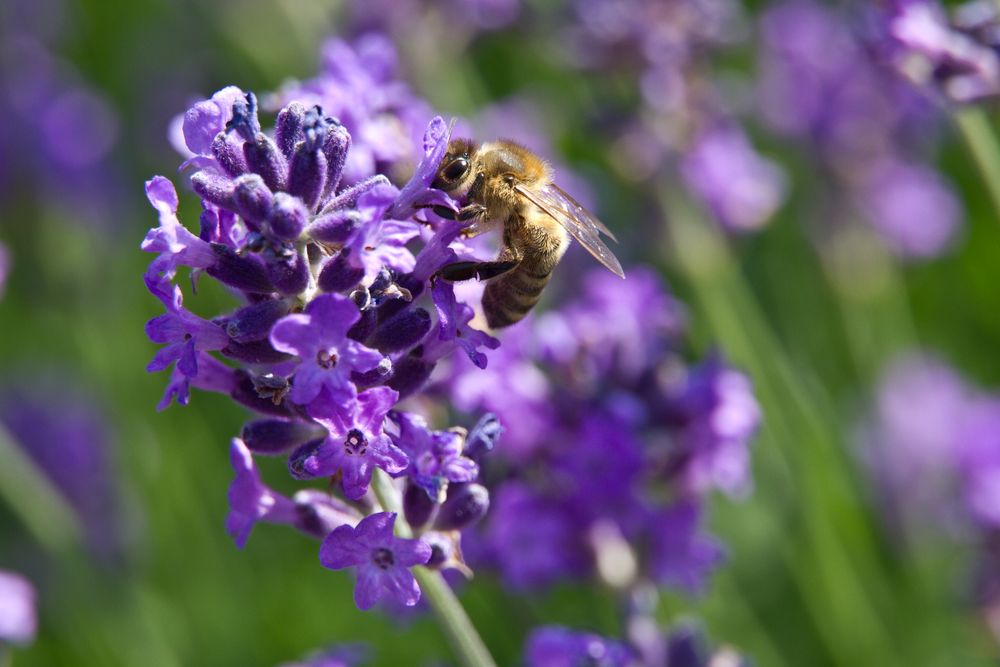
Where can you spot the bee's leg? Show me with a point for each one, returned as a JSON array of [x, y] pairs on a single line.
[[464, 214], [480, 270]]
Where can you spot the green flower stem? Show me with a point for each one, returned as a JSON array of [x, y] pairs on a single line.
[[465, 641], [982, 142], [31, 495], [800, 457]]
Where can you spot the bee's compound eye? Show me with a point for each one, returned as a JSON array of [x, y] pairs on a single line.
[[456, 170]]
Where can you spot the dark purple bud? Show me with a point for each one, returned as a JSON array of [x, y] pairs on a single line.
[[289, 273], [253, 198], [417, 505], [246, 273], [228, 152], [288, 216], [254, 322], [262, 157], [409, 374], [254, 352], [483, 437], [350, 195], [307, 173], [263, 394], [297, 459], [337, 275], [364, 327], [442, 550], [288, 128], [335, 146], [214, 188], [401, 331], [318, 514], [244, 121], [335, 227], [375, 376], [466, 505], [271, 437], [391, 296]]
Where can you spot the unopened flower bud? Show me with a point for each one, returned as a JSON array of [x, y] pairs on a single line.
[[228, 151], [214, 188], [254, 322], [289, 273], [417, 505], [375, 376], [335, 146], [336, 227], [266, 400], [276, 436], [401, 331], [288, 128], [255, 352], [288, 217], [318, 513], [253, 198], [246, 273], [264, 158], [409, 375], [338, 275], [466, 505]]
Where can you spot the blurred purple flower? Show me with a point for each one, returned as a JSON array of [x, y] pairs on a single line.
[[978, 443], [18, 622], [718, 416], [680, 555], [68, 438], [382, 559], [555, 646], [5, 267], [350, 655], [927, 49], [741, 188], [534, 541], [913, 208]]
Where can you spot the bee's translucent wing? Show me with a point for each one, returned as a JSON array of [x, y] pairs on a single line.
[[577, 220]]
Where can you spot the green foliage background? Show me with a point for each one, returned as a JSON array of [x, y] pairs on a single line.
[[813, 578]]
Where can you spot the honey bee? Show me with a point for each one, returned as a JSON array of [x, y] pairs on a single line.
[[507, 186]]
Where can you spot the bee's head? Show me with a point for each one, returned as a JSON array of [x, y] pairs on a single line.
[[456, 166]]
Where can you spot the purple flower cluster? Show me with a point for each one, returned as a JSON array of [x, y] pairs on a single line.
[[821, 84], [610, 444], [649, 646], [359, 85], [328, 336], [68, 439], [684, 121], [62, 128], [956, 57], [934, 445]]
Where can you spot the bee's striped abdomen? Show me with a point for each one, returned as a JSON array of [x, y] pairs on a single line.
[[509, 298]]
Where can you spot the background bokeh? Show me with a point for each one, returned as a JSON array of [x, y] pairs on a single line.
[[815, 306]]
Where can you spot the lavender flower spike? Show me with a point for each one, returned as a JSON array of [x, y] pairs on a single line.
[[382, 559]]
